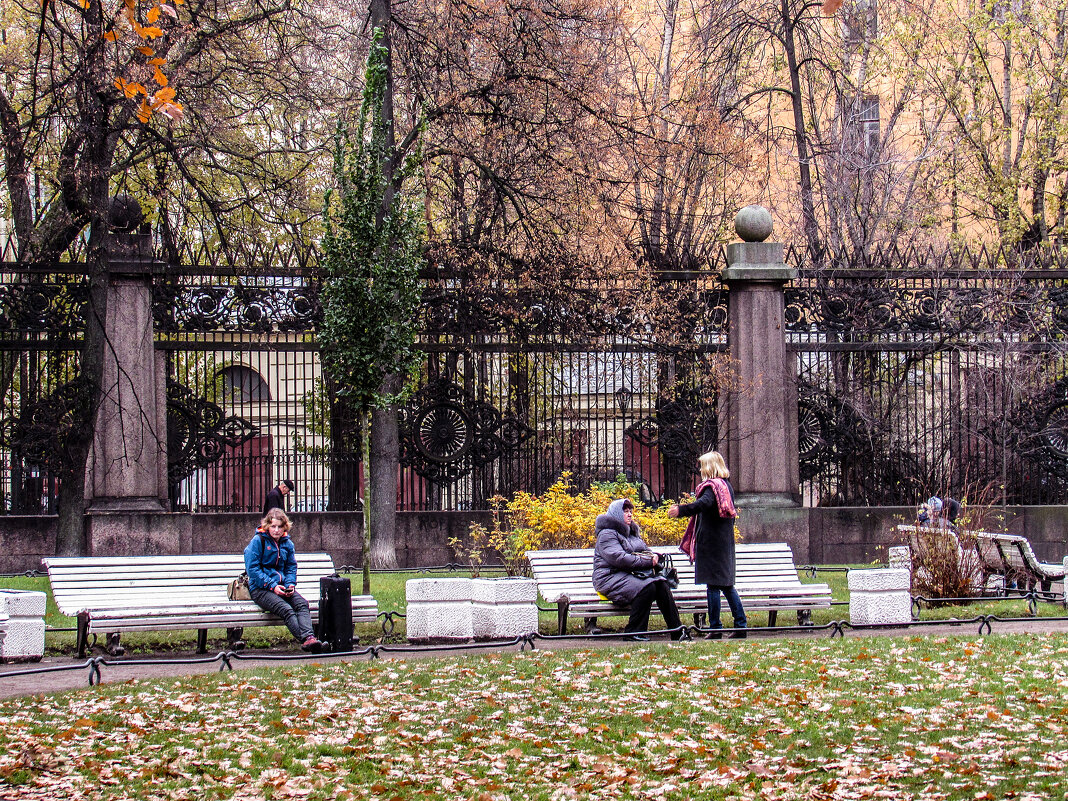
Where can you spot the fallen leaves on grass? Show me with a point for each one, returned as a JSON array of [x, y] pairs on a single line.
[[886, 718]]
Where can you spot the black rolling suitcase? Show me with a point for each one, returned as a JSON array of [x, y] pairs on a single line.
[[335, 612]]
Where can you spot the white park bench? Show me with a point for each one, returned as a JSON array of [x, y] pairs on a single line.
[[766, 580], [998, 554], [115, 594]]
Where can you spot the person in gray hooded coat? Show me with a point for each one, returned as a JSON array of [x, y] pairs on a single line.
[[620, 550]]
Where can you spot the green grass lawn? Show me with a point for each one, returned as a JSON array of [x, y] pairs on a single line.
[[388, 589], [888, 717]]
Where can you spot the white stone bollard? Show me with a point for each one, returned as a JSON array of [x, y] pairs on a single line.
[[502, 608], [438, 610], [3, 629], [879, 597], [24, 638], [900, 556]]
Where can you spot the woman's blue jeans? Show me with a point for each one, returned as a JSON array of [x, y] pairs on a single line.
[[293, 611], [733, 601]]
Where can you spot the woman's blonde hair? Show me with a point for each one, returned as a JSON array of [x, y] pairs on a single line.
[[713, 466], [275, 514]]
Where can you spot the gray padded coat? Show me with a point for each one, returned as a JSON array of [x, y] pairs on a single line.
[[614, 556]]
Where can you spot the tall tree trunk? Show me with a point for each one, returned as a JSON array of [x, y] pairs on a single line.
[[368, 496], [89, 200], [381, 477], [385, 452]]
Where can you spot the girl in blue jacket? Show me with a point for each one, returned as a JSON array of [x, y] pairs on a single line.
[[271, 564]]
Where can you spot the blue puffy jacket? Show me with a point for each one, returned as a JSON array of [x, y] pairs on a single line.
[[268, 563]]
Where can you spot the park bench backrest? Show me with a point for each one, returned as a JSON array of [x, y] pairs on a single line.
[[110, 582], [1001, 554], [759, 566]]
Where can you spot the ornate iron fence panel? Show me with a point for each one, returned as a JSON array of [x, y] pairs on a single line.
[[927, 372], [919, 373], [522, 382]]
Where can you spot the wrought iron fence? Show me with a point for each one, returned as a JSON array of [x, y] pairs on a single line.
[[919, 373], [931, 372], [520, 385]]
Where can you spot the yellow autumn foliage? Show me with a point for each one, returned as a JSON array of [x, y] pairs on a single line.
[[562, 518]]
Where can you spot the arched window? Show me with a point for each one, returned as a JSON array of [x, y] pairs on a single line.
[[243, 385]]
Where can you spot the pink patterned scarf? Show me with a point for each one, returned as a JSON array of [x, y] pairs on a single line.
[[726, 509]]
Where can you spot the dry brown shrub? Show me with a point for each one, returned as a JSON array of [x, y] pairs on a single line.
[[945, 564]]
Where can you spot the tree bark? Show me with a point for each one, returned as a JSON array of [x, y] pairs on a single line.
[[368, 496], [89, 198], [385, 453]]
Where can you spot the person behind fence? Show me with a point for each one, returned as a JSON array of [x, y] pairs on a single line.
[[276, 496], [619, 552], [271, 564], [939, 513], [709, 541]]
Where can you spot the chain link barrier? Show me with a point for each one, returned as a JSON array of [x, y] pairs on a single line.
[[228, 658]]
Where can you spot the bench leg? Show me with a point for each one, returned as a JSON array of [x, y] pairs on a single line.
[[202, 641], [561, 614], [773, 615], [233, 638], [113, 648], [83, 633], [804, 617]]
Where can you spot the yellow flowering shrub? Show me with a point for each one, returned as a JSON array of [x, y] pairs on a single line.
[[559, 518]]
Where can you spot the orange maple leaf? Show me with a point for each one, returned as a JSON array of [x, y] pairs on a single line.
[[145, 112], [152, 15], [145, 50], [130, 88], [830, 6], [159, 77]]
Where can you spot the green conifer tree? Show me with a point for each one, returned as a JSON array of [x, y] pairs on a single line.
[[373, 252]]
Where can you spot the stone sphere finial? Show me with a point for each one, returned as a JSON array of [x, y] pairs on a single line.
[[753, 223], [125, 214]]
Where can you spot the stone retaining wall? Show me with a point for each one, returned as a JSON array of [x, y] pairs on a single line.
[[852, 535]]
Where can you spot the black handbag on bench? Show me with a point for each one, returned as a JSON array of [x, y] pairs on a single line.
[[662, 569]]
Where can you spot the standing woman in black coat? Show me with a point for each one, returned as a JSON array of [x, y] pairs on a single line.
[[712, 525]]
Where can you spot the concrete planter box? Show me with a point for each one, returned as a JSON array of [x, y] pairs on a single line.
[[504, 608], [456, 610], [900, 556], [879, 597], [23, 640], [439, 610]]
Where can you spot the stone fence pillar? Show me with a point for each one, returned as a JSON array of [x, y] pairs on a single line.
[[128, 466], [761, 403]]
